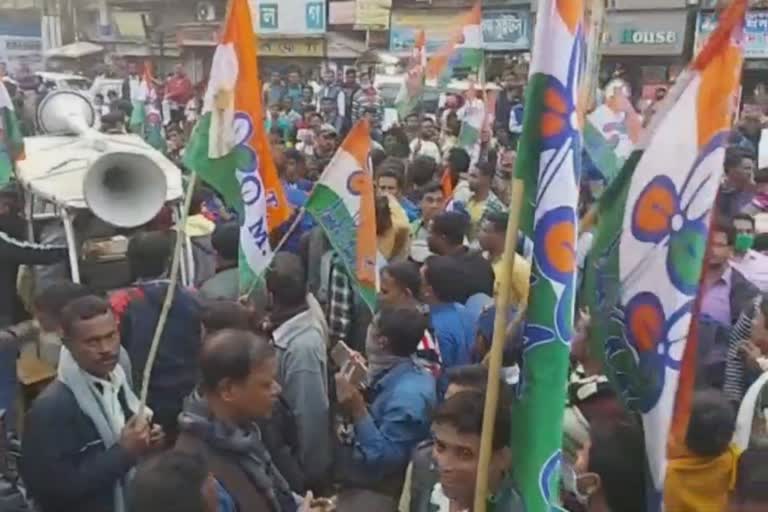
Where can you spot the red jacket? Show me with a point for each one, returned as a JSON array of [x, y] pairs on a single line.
[[179, 89]]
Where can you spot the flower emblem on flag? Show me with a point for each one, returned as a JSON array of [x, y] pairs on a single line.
[[650, 338], [554, 250], [244, 155], [658, 215]]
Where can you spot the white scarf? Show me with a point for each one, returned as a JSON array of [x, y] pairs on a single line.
[[102, 406]]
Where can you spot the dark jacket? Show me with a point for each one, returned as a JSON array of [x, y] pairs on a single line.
[[743, 292], [280, 435], [14, 252], [174, 373], [247, 496], [64, 462], [423, 478]]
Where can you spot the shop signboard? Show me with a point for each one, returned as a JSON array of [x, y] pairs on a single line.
[[372, 14], [293, 47], [644, 33], [755, 32], [16, 51], [506, 29], [646, 4], [341, 13], [290, 17], [503, 29], [438, 26]]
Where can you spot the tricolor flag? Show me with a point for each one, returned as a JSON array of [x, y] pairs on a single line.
[[229, 149], [139, 105], [644, 269], [11, 138], [409, 96], [547, 162], [463, 50], [472, 116], [342, 202], [152, 132]]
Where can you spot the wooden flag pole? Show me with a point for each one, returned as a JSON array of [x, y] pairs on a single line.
[[589, 81], [174, 278], [497, 345]]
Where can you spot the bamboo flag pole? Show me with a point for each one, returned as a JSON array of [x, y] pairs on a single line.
[[174, 277], [589, 83], [497, 345]]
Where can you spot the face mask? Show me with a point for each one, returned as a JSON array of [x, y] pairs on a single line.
[[743, 242]]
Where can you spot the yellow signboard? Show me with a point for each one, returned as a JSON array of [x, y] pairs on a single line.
[[372, 14], [301, 47]]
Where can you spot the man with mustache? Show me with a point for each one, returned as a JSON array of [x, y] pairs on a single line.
[[83, 435], [238, 387]]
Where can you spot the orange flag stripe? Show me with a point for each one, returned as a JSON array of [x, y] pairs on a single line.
[[238, 31]]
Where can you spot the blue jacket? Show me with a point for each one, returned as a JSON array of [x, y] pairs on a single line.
[[398, 419], [455, 332]]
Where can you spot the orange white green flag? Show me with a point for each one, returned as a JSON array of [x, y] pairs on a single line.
[[643, 273], [342, 202], [463, 49], [229, 148]]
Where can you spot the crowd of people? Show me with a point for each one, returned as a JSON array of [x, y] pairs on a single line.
[[298, 397]]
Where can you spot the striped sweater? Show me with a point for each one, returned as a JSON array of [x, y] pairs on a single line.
[[737, 376]]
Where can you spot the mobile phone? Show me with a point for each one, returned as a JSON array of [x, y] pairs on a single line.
[[355, 372], [340, 354]]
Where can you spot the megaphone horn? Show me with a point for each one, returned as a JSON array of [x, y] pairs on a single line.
[[125, 189], [65, 112]]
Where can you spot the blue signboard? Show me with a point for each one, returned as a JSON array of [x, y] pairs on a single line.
[[755, 32]]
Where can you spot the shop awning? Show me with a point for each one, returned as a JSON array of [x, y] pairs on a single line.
[[341, 46], [75, 50]]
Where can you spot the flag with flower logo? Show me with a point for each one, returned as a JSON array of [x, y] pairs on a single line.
[[644, 269], [229, 149], [550, 147]]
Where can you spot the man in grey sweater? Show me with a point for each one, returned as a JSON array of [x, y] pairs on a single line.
[[301, 340]]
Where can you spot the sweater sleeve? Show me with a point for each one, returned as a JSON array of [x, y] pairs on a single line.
[[735, 386], [29, 253]]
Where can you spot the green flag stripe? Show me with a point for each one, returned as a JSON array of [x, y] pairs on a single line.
[[328, 209]]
